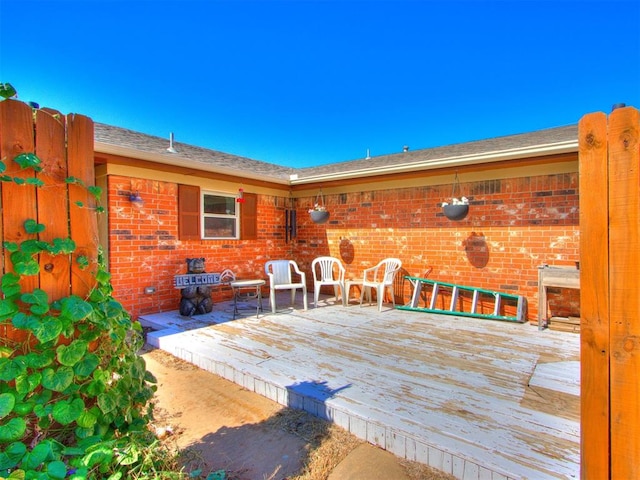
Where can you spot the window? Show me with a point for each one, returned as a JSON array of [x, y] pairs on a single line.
[[219, 216], [214, 220]]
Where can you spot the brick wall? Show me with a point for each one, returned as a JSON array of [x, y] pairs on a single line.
[[514, 225], [144, 249]]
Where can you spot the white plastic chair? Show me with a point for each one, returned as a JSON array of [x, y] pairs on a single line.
[[328, 271], [280, 278], [380, 277]]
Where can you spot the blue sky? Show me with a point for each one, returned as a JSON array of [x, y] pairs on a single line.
[[303, 82]]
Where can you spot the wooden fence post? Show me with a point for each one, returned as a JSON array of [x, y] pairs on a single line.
[[594, 298], [83, 221], [18, 201], [610, 303], [52, 200], [624, 300]]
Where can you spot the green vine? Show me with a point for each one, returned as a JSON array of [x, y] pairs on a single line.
[[74, 394]]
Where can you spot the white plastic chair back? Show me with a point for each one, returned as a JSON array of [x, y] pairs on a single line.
[[280, 271]]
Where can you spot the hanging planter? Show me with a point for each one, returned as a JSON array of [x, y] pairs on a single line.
[[319, 213], [459, 207], [455, 212]]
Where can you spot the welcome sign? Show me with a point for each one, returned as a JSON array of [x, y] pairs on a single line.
[[196, 280]]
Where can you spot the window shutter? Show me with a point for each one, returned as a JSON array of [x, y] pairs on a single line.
[[249, 217], [188, 212]]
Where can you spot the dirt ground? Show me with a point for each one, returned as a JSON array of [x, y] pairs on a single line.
[[219, 425]]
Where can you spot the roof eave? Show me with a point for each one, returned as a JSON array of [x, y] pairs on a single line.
[[178, 161], [533, 151], [444, 162]]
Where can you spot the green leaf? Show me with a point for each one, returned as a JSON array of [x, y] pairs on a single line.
[[7, 90], [12, 455], [89, 334], [103, 453], [65, 412], [31, 226], [39, 310], [23, 408], [37, 296], [75, 308], [11, 368], [37, 456], [10, 283], [71, 354], [39, 360], [64, 246], [13, 430], [28, 268], [129, 455], [24, 264], [17, 475], [35, 181], [75, 180], [95, 191], [57, 380], [28, 383], [28, 160], [7, 309], [32, 247], [7, 402], [80, 474], [21, 320], [11, 247], [49, 328], [43, 397], [86, 365], [106, 402], [83, 261], [103, 277], [95, 388], [87, 419], [56, 469]]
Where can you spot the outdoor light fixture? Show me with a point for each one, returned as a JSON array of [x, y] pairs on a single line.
[[135, 197]]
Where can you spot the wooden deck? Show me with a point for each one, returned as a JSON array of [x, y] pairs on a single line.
[[479, 399]]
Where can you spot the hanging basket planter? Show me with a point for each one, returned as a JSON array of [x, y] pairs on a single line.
[[319, 216], [456, 212], [459, 208], [319, 212]]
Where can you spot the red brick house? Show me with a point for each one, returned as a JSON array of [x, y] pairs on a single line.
[[523, 192]]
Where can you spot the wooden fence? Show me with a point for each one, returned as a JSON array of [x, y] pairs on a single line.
[[64, 144], [610, 302]]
